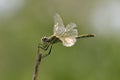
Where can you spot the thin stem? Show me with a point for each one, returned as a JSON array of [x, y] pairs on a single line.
[[37, 64]]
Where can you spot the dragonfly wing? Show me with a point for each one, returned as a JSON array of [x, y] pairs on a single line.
[[70, 31], [70, 26], [68, 41], [59, 28], [69, 37]]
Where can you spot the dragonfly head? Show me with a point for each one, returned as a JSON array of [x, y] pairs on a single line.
[[44, 39]]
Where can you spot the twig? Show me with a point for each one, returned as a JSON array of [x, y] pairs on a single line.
[[37, 64]]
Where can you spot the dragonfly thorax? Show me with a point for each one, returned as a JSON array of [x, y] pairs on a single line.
[[54, 39], [50, 40]]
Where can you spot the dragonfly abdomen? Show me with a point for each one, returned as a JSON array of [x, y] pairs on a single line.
[[85, 36]]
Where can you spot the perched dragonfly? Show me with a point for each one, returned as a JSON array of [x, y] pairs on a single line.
[[67, 35]]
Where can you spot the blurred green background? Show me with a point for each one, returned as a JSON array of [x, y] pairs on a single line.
[[23, 23]]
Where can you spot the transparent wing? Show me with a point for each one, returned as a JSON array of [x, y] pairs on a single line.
[[70, 31], [70, 26], [68, 41], [58, 20], [69, 37], [59, 28]]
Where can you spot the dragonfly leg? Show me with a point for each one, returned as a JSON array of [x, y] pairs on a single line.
[[44, 47], [48, 52]]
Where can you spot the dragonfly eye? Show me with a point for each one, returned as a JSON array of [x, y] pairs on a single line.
[[44, 39]]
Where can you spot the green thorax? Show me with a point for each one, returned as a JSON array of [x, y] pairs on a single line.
[[53, 39]]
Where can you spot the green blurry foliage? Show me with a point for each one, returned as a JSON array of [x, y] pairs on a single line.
[[89, 59]]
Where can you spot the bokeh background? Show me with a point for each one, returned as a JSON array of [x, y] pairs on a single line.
[[24, 22]]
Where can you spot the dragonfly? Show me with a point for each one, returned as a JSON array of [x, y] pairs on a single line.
[[66, 35]]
